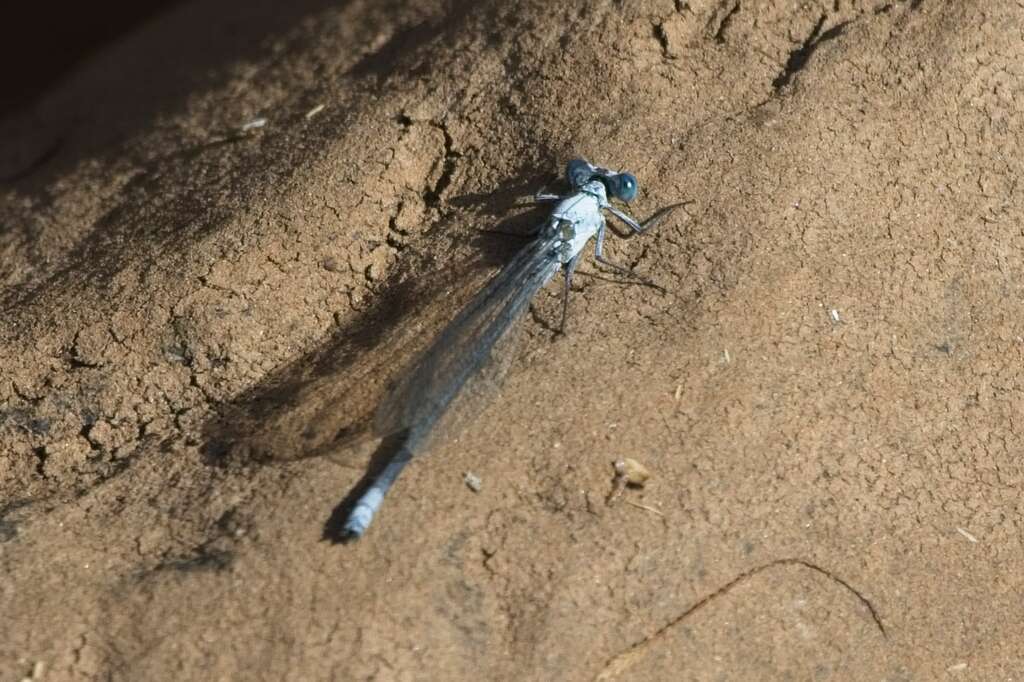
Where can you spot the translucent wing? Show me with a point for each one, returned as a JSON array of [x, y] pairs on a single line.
[[427, 387], [351, 390], [425, 391], [326, 399]]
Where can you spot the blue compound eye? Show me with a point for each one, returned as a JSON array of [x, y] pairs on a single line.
[[624, 186], [579, 172]]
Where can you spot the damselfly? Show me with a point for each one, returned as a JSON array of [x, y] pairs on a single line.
[[425, 391]]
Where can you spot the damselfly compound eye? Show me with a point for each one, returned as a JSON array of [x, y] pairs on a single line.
[[625, 187], [579, 172]]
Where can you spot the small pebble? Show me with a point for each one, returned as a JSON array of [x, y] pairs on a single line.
[[631, 472], [472, 482]]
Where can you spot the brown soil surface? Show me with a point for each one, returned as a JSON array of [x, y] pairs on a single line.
[[828, 394]]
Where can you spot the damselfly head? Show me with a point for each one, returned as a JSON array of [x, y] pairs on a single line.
[[621, 186]]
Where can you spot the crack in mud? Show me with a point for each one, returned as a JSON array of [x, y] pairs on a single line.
[[662, 37], [720, 21], [432, 196], [41, 457], [622, 661], [799, 57]]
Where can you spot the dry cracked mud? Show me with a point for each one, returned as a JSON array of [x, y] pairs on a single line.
[[827, 390]]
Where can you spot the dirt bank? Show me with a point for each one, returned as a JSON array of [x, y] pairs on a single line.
[[827, 392]]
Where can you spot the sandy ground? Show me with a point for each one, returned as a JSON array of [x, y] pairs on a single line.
[[827, 393]]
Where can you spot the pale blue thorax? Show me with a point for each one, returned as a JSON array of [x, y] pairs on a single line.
[[578, 217]]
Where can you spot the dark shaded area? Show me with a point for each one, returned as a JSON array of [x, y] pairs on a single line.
[[203, 559], [799, 57], [320, 386], [8, 527], [38, 45], [37, 161], [723, 25], [214, 554], [312, 397], [190, 49], [383, 60]]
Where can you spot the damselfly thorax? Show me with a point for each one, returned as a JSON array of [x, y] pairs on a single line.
[[576, 219]]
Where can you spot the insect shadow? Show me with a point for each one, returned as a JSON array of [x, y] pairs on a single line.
[[324, 401]]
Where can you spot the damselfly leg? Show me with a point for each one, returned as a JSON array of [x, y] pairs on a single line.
[[628, 272], [570, 268], [641, 227]]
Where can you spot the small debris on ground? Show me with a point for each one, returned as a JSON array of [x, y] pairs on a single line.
[[314, 111], [254, 124], [629, 473], [644, 507], [632, 472], [966, 534], [38, 670], [472, 481]]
